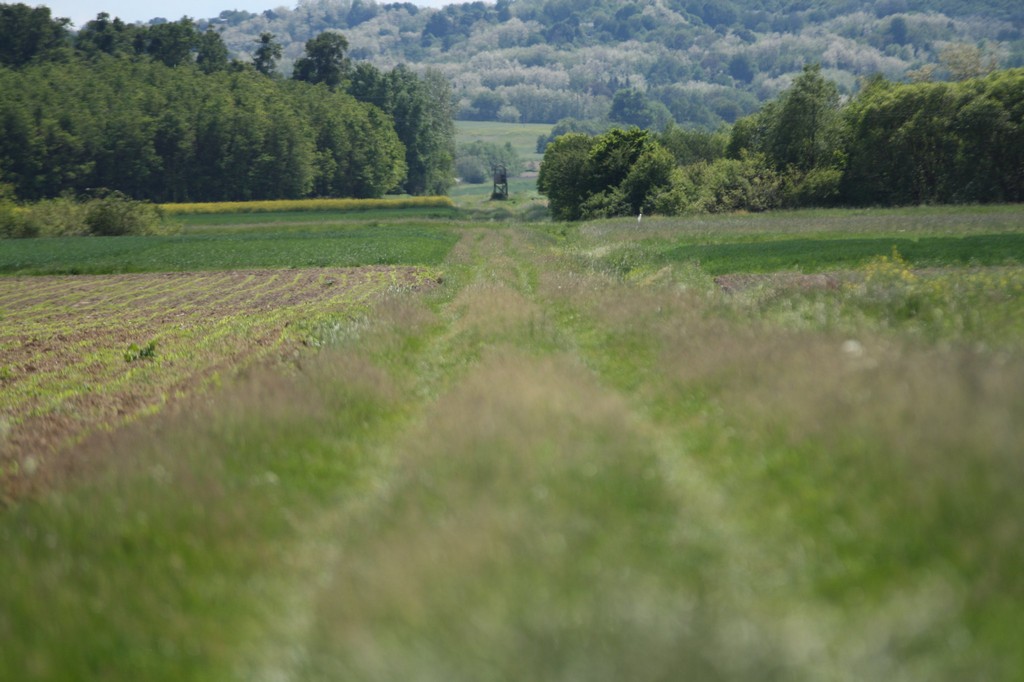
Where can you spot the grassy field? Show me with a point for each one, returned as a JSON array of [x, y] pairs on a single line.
[[523, 196], [582, 455], [522, 136]]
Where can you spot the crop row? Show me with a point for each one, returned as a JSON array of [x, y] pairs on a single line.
[[81, 354]]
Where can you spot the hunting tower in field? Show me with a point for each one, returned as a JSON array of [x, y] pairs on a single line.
[[500, 190]]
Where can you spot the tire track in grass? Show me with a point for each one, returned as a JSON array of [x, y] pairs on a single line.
[[528, 505], [533, 518], [764, 590], [447, 352]]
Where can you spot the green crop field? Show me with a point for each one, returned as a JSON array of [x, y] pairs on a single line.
[[740, 447], [281, 245]]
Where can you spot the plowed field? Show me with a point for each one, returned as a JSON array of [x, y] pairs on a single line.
[[70, 347]]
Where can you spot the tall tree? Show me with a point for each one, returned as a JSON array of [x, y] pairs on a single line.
[[357, 150], [612, 157], [438, 138], [104, 35], [690, 146], [28, 33], [799, 134], [424, 118], [268, 52], [561, 178], [325, 60], [936, 142], [368, 84], [632, 107], [805, 133], [211, 52], [172, 43], [177, 134], [651, 172]]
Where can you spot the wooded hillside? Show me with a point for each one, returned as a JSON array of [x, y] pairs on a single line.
[[698, 63]]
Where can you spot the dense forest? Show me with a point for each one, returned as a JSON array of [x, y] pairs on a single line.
[[162, 113], [891, 144], [693, 62]]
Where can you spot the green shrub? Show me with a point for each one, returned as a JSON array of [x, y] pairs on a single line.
[[817, 187], [723, 185], [14, 223], [651, 173], [681, 194], [65, 216], [607, 204], [116, 214], [472, 170], [60, 217], [474, 162], [137, 352]]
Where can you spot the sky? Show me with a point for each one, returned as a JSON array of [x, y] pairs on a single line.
[[82, 11]]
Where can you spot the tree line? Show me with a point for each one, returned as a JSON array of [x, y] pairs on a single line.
[[892, 144], [161, 113]]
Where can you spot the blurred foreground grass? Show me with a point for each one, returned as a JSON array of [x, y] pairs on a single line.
[[551, 468]]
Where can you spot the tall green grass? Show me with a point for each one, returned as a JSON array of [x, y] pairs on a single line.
[[160, 563]]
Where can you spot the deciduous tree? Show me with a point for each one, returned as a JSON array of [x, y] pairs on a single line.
[[28, 33], [325, 60], [104, 35], [172, 43], [211, 52], [561, 178], [268, 52]]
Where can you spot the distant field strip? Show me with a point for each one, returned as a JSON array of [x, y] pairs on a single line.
[[333, 246], [816, 254], [65, 341], [306, 205]]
